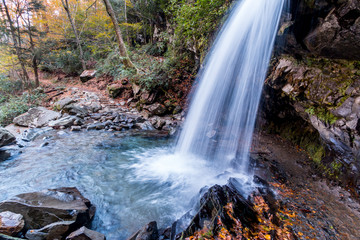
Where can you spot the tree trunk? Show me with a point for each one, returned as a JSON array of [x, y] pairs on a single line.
[[123, 53], [17, 48], [32, 46], [65, 4], [127, 30]]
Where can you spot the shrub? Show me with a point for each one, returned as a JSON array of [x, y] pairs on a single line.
[[13, 105], [9, 87], [196, 22], [12, 108]]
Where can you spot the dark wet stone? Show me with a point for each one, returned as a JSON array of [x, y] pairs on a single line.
[[6, 137], [148, 232], [212, 210]]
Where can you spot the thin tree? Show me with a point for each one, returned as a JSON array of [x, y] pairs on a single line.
[[65, 4], [34, 60], [16, 44], [122, 48]]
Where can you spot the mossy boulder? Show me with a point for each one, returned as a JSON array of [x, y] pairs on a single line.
[[120, 90]]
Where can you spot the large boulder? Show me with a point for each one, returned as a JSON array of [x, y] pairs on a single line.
[[87, 75], [215, 213], [36, 117], [11, 223], [6, 137], [46, 207]]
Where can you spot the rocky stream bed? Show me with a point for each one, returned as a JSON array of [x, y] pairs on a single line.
[[113, 154]]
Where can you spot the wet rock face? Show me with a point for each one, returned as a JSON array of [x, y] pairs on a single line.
[[338, 35], [324, 28], [325, 94]]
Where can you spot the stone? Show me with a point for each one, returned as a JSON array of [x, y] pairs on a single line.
[[356, 107], [87, 75], [75, 128], [32, 133], [352, 124], [65, 122], [148, 232], [95, 107], [11, 223], [160, 123], [146, 114], [4, 155], [77, 109], [288, 89], [46, 207], [6, 237], [145, 126], [136, 89], [52, 231], [147, 97], [213, 209], [6, 137], [85, 234], [36, 117], [156, 109], [345, 109], [115, 90], [59, 105], [96, 126]]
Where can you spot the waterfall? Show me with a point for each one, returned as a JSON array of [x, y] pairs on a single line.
[[221, 118]]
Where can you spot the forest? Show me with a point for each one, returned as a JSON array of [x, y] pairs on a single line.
[[152, 43]]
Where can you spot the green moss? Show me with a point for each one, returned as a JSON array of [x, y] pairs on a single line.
[[318, 154], [323, 114]]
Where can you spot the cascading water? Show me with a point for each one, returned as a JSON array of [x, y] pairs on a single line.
[[221, 118]]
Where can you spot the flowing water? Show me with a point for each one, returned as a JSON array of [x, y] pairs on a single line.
[[136, 179], [132, 178], [222, 113]]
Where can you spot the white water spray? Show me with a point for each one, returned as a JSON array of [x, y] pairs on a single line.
[[220, 122]]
